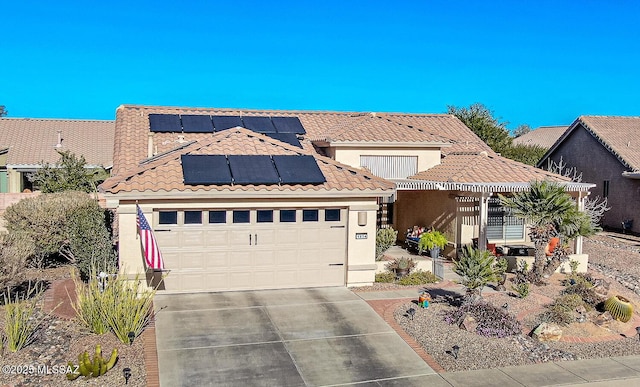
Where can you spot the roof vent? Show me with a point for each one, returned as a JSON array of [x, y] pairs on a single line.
[[181, 139], [484, 153], [373, 114], [59, 144]]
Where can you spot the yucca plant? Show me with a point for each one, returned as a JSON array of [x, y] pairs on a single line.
[[385, 238], [477, 268], [127, 307], [21, 320]]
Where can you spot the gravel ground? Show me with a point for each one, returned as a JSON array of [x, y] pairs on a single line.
[[610, 257], [61, 340]]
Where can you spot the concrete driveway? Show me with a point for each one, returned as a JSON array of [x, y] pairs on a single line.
[[297, 337]]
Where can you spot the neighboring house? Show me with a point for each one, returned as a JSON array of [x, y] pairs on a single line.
[[229, 197], [544, 136], [606, 150], [27, 143]]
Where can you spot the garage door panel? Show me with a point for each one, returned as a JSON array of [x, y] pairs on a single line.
[[220, 257], [192, 260], [217, 238]]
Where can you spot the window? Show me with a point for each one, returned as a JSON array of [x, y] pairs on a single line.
[[384, 215], [264, 216], [309, 215], [605, 188], [193, 217], [391, 167], [287, 216], [332, 215], [217, 217], [168, 217], [501, 224], [241, 216]]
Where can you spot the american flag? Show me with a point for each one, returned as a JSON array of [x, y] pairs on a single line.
[[152, 253]]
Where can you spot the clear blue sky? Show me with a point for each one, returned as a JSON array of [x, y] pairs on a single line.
[[536, 62]]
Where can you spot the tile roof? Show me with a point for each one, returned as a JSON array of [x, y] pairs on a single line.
[[32, 140], [484, 168], [163, 173], [620, 135], [544, 136], [132, 128]]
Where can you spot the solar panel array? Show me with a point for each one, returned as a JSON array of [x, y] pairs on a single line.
[[208, 124], [250, 169]]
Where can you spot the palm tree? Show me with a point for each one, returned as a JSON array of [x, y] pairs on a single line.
[[477, 268], [550, 212]]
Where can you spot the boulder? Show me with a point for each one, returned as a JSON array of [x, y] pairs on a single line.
[[547, 332], [469, 323], [601, 287]]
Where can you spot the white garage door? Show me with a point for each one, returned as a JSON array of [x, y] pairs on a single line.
[[215, 250]]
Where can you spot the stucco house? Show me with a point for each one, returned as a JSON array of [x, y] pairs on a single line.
[[606, 150], [227, 194], [27, 143]]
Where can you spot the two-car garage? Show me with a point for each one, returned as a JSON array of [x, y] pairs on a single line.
[[249, 248]]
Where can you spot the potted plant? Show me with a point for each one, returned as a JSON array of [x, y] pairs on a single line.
[[401, 266], [433, 241]]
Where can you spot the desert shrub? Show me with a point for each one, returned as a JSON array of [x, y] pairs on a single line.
[[385, 277], [385, 238], [477, 268], [522, 289], [70, 225], [418, 277], [21, 318], [14, 252], [492, 321], [562, 310], [89, 304], [402, 263], [585, 291], [127, 306]]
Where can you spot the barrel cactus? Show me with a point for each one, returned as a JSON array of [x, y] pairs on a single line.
[[620, 308]]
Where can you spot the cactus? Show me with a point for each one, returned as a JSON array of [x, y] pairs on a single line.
[[619, 307], [93, 368]]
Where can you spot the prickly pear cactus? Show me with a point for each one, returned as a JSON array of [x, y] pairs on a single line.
[[620, 308], [92, 368]]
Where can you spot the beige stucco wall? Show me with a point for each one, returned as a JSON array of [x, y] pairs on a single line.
[[427, 158], [360, 253]]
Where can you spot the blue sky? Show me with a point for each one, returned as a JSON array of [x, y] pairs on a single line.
[[539, 63]]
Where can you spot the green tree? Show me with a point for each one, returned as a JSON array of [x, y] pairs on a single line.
[[69, 174], [481, 121], [521, 129], [477, 268], [528, 154], [550, 212], [70, 225], [3, 111]]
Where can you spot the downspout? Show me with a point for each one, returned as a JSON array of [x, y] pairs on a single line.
[[483, 216]]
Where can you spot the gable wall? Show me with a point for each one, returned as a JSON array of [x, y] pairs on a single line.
[[597, 164], [427, 158]]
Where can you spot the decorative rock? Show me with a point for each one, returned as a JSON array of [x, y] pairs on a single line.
[[601, 288], [547, 332], [469, 323], [603, 320], [581, 310]]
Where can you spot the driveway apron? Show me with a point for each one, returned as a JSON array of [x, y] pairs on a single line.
[[293, 337]]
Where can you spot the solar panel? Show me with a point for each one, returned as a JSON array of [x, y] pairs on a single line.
[[300, 169], [288, 125], [205, 169], [197, 124], [289, 138], [253, 169], [221, 123], [165, 123], [259, 124]]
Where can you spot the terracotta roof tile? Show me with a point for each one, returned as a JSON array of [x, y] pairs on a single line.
[[484, 168], [544, 136], [621, 135], [32, 140], [164, 172]]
